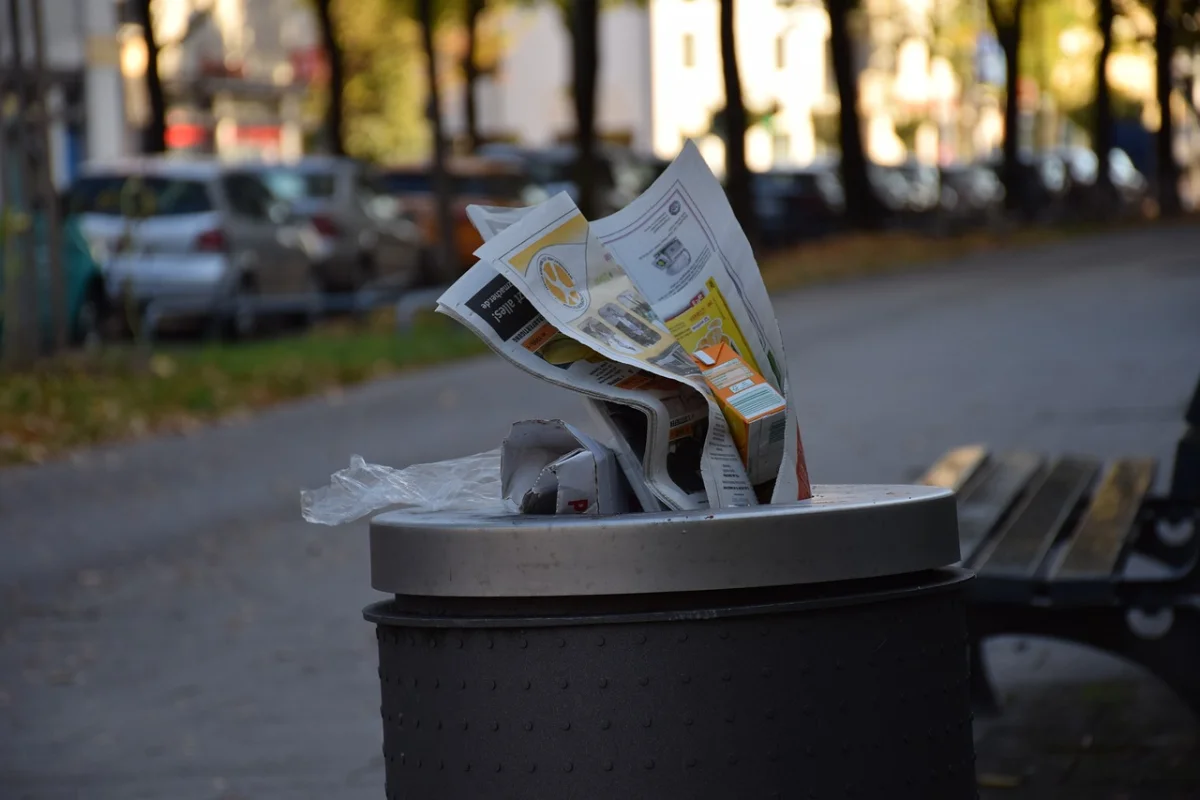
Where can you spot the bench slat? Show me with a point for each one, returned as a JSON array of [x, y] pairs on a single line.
[[956, 467], [1021, 545], [990, 495], [1095, 549]]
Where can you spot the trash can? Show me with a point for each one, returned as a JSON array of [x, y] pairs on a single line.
[[817, 649]]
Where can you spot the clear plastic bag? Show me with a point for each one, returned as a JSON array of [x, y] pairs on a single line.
[[470, 483]]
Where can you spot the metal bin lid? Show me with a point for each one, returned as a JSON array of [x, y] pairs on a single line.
[[845, 532]]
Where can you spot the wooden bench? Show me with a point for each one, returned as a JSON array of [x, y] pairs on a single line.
[[1074, 548]]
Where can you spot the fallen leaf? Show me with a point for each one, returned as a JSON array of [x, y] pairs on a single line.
[[995, 780], [162, 366]]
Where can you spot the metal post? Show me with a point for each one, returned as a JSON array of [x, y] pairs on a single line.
[[20, 342], [49, 197]]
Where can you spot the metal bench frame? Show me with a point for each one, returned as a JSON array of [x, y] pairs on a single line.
[[1051, 541]]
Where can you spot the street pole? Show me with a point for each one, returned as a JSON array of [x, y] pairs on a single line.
[[49, 196], [20, 290]]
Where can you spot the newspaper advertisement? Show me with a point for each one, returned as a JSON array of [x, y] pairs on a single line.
[[574, 282], [658, 445], [683, 249]]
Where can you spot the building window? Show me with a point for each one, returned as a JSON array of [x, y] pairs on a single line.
[[781, 145], [780, 52], [689, 51]]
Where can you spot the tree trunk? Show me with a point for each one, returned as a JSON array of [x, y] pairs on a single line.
[[445, 255], [1008, 34], [863, 209], [737, 176], [49, 196], [585, 34], [154, 137], [470, 69], [335, 133], [20, 278], [1102, 133], [1168, 170]]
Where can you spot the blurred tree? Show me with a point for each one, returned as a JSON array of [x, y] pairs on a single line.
[[48, 199], [582, 18], [154, 136], [17, 249], [1102, 129], [335, 138], [1122, 106], [427, 15], [384, 82], [863, 209], [470, 67], [1166, 17], [1006, 19], [737, 174]]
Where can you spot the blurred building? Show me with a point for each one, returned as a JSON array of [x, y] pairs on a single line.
[[526, 98], [782, 58], [234, 72], [661, 79], [83, 77]]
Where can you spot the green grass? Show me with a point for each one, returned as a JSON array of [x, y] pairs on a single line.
[[856, 255], [124, 392]]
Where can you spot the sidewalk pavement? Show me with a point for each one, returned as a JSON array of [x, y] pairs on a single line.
[[1080, 725]]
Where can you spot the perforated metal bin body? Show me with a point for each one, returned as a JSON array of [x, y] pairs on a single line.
[[813, 650]]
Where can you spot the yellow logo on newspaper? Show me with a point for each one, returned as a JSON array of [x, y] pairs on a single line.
[[559, 283]]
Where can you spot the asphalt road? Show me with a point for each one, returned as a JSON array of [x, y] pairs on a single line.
[[170, 628]]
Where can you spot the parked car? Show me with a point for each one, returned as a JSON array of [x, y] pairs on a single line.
[[620, 174], [85, 301], [793, 204], [970, 194], [1084, 168], [200, 237], [892, 189], [1043, 183], [473, 180], [368, 238], [923, 187]]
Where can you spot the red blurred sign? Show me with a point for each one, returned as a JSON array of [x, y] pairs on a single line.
[[258, 134], [184, 136]]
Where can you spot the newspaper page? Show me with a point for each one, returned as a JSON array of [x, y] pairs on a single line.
[[661, 466], [683, 248], [554, 260], [660, 460]]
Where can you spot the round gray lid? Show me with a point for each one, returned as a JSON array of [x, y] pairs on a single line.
[[842, 533]]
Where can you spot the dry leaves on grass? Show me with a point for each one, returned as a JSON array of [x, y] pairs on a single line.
[[125, 393]]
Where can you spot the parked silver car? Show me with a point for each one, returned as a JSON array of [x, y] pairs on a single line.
[[370, 240], [196, 236]]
